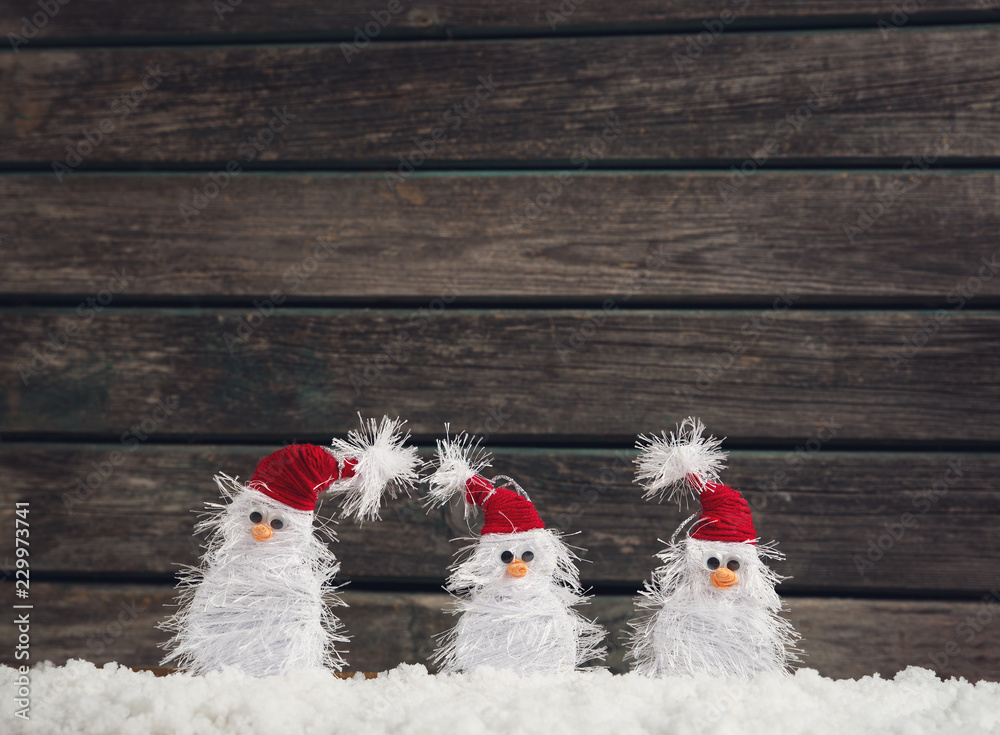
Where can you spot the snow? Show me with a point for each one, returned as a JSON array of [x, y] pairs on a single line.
[[82, 698]]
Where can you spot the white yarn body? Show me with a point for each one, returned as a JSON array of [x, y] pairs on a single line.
[[259, 606], [263, 606], [692, 627], [525, 624]]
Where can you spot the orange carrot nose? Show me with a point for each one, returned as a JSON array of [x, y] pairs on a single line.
[[517, 569], [724, 578], [261, 532]]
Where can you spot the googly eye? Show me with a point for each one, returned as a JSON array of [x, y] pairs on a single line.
[[525, 552], [506, 556], [278, 521], [734, 563], [256, 516], [712, 559]]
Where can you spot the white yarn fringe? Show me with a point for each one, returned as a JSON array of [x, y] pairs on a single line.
[[384, 466], [458, 460], [261, 607], [527, 625], [665, 464], [689, 626]]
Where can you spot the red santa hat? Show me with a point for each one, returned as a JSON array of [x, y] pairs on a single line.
[[725, 516], [363, 467], [459, 462], [298, 474], [506, 511], [687, 462]]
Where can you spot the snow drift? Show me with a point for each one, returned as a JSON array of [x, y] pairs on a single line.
[[81, 698]]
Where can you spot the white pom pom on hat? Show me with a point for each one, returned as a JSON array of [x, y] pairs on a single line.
[[688, 462], [460, 461]]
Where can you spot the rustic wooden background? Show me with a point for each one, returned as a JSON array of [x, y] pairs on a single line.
[[501, 287]]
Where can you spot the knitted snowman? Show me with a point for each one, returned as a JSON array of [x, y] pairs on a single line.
[[516, 587], [260, 601], [711, 607]]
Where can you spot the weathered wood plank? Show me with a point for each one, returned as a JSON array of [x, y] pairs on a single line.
[[194, 19], [844, 96], [843, 638], [639, 238], [602, 375], [828, 511]]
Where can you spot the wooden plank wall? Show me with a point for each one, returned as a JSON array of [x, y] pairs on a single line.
[[229, 226]]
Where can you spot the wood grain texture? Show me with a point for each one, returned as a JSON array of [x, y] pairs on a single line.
[[602, 376], [843, 638], [639, 238], [826, 509], [917, 92], [194, 19]]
